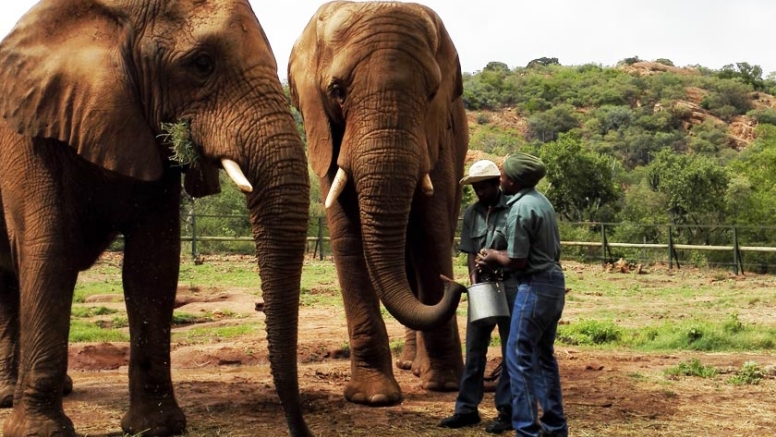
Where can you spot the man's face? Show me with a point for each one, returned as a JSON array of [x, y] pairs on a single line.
[[486, 191], [508, 187]]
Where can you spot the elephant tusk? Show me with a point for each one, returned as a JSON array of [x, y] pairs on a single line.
[[337, 187], [237, 176], [427, 186]]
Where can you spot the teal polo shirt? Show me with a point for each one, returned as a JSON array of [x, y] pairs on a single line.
[[532, 231], [484, 227]]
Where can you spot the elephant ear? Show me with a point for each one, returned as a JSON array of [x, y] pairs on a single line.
[[306, 95], [65, 76], [446, 104], [447, 59]]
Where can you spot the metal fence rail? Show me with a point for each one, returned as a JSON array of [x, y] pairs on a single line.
[[602, 242]]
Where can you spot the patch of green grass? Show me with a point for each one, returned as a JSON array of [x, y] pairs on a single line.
[[84, 312], [213, 334], [397, 346], [590, 332], [85, 289], [750, 373], [724, 334], [221, 274], [692, 368], [181, 318], [86, 332]]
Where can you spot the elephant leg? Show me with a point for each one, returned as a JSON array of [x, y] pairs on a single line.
[[46, 294], [438, 359], [372, 381], [150, 275], [9, 336], [409, 350]]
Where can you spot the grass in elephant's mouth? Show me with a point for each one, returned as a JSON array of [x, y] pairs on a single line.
[[178, 136]]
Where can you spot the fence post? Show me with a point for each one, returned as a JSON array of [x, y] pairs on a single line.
[[670, 248], [603, 243], [320, 238], [736, 253], [194, 253]]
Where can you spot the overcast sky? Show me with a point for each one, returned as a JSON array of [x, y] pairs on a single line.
[[711, 33]]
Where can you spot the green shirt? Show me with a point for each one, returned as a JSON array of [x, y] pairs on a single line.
[[532, 231], [483, 227]]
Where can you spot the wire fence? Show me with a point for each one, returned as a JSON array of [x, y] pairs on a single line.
[[739, 248]]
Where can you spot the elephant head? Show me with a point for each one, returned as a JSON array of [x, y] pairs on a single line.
[[104, 76], [378, 86]]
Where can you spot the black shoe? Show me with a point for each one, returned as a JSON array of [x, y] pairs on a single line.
[[503, 422], [460, 420]]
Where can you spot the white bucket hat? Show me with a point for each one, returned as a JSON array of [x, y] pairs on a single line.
[[480, 171]]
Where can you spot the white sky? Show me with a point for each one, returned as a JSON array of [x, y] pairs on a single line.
[[710, 33]]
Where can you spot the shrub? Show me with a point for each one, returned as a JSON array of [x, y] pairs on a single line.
[[763, 115], [750, 373], [692, 368]]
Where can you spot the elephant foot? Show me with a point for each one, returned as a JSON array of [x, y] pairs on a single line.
[[409, 350], [407, 357], [7, 390], [154, 418], [51, 424], [375, 391], [440, 379]]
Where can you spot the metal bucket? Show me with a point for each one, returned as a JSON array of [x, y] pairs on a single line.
[[487, 302]]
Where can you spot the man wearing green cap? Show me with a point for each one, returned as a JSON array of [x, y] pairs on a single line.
[[534, 252]]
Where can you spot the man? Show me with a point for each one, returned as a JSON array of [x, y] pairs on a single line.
[[483, 227], [533, 252]]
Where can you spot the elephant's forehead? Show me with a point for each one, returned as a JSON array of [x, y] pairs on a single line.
[[363, 17]]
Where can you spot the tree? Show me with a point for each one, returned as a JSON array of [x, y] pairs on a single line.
[[581, 182], [694, 187], [546, 126]]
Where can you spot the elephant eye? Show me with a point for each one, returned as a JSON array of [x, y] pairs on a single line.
[[433, 93], [203, 64], [337, 91]]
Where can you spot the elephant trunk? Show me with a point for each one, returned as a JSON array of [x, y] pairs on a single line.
[[279, 208], [385, 199]]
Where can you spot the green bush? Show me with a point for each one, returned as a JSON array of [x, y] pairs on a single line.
[[692, 368], [750, 373]]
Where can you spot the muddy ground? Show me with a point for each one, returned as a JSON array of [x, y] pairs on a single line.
[[225, 387]]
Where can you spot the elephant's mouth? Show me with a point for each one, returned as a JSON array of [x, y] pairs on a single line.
[[187, 153], [341, 180]]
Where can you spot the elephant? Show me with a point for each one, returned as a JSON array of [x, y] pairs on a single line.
[[86, 88], [378, 85]]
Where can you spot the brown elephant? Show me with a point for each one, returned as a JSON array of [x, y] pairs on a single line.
[[86, 87], [379, 87]]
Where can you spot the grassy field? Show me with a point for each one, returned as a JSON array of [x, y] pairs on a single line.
[[659, 310]]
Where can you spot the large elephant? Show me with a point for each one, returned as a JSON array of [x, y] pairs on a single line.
[[86, 86], [379, 87]]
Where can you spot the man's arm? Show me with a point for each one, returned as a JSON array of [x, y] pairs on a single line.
[[491, 258]]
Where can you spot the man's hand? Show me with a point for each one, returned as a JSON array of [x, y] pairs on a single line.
[[485, 260]]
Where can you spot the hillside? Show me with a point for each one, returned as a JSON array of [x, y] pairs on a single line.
[[689, 109]]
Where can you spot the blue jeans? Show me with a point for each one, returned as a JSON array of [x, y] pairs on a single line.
[[533, 369], [471, 388]]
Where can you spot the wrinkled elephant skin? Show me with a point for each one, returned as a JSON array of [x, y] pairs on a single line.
[[379, 87], [86, 86]]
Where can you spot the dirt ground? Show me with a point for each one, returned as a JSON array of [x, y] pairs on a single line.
[[225, 388]]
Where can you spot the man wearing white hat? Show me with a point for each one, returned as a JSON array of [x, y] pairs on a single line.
[[484, 225]]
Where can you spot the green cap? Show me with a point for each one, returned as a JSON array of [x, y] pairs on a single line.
[[524, 169]]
